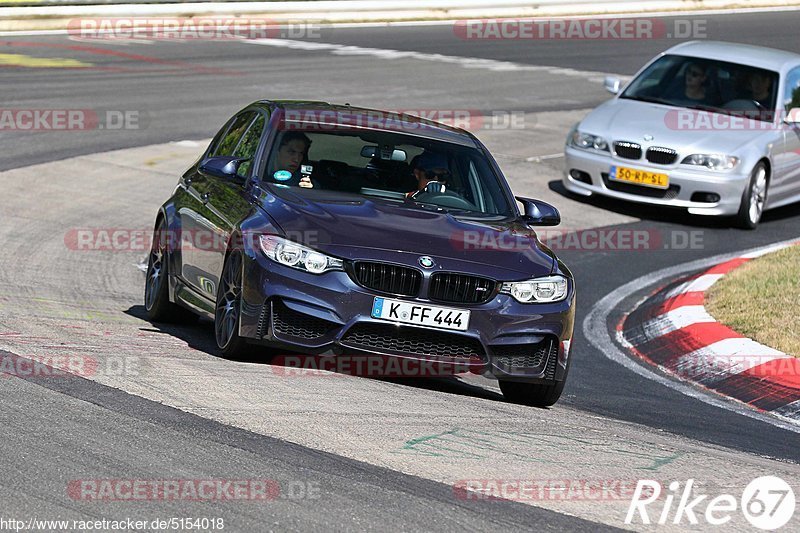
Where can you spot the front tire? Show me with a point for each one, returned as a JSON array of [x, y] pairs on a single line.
[[534, 394], [228, 309], [754, 198]]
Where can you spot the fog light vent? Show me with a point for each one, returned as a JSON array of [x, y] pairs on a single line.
[[580, 175], [705, 197]]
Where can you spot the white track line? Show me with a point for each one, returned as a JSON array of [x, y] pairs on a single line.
[[595, 329], [729, 356], [700, 284], [765, 251], [389, 54], [675, 319]]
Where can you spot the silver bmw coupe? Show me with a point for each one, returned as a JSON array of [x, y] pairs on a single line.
[[710, 127]]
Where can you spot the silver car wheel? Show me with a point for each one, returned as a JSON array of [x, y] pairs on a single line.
[[758, 195]]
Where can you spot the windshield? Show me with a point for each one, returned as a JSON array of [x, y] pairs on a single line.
[[706, 84], [393, 166]]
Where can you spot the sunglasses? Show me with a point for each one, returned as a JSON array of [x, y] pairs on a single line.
[[438, 176], [694, 73]]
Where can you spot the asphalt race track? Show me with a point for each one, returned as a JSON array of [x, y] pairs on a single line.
[[348, 453]]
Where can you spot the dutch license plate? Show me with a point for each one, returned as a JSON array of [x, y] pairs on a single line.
[[420, 314], [639, 177]]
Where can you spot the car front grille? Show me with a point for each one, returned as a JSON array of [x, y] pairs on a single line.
[[461, 288], [524, 356], [290, 323], [628, 150], [650, 192], [384, 277], [661, 156], [401, 340]]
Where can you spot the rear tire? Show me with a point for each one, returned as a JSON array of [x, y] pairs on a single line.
[[156, 286], [754, 198]]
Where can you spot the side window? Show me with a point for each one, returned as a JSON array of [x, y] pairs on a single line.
[[791, 90], [249, 144], [218, 137], [231, 139]]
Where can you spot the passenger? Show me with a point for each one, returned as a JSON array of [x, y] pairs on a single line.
[[292, 152], [428, 167]]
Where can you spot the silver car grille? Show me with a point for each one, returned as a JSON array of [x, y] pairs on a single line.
[[657, 155], [628, 150], [661, 156]]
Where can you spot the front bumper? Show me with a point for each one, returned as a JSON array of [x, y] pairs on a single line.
[[329, 314], [686, 184]]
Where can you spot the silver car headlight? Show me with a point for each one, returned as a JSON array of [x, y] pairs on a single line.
[[711, 161], [297, 256], [538, 290], [587, 141]]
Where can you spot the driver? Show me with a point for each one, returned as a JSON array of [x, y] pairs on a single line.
[[292, 152], [760, 86], [428, 167]]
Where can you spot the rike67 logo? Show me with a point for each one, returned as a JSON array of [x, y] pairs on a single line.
[[767, 503]]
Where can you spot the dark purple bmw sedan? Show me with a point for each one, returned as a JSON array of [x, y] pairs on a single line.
[[335, 230]]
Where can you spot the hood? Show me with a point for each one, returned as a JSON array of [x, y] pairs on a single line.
[[354, 227], [688, 131]]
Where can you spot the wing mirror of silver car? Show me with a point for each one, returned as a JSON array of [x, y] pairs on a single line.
[[612, 84], [539, 213], [792, 116]]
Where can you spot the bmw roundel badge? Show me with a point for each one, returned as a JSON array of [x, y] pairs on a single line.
[[426, 261]]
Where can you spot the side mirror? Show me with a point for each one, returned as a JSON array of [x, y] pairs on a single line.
[[793, 116], [538, 213], [612, 84], [223, 167]]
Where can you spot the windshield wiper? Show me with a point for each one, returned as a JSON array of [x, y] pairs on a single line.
[[382, 193], [709, 108], [651, 99]]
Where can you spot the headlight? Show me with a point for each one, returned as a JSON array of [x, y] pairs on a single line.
[[297, 256], [539, 290], [588, 141], [711, 161]]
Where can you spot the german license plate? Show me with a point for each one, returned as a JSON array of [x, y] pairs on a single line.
[[639, 177], [420, 314]]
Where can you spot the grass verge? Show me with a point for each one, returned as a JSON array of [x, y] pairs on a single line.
[[761, 300]]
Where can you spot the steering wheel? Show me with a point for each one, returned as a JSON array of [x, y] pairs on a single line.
[[435, 192]]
